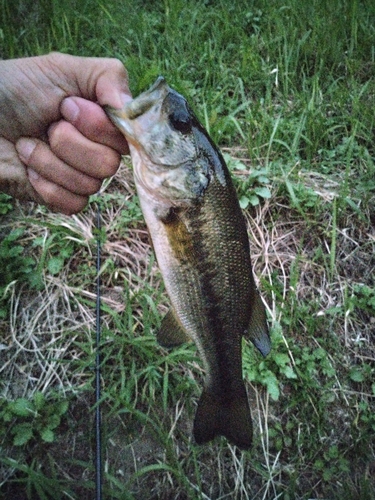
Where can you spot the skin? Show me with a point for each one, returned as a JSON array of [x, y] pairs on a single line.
[[56, 142]]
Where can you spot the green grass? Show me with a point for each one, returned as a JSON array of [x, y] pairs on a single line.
[[287, 90]]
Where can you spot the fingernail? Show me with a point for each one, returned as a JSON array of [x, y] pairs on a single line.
[[69, 109], [25, 147], [32, 174]]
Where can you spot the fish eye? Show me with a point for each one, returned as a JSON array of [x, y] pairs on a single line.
[[181, 121]]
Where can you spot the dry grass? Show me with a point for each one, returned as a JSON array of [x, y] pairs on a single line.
[[45, 324], [41, 345]]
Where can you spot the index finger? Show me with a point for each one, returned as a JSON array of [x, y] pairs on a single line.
[[90, 119]]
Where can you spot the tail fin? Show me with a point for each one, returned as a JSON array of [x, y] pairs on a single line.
[[224, 416]]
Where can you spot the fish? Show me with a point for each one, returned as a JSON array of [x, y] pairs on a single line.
[[199, 236]]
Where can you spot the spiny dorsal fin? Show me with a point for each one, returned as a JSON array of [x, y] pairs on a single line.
[[171, 333]]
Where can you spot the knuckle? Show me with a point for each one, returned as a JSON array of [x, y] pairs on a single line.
[[49, 192], [76, 206], [89, 185], [119, 68], [109, 164], [57, 134], [59, 200]]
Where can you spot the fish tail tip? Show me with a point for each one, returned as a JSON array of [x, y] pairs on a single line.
[[216, 416]]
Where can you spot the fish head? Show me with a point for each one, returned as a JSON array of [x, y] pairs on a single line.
[[161, 131]]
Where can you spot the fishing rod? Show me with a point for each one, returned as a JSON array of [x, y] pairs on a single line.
[[98, 440]]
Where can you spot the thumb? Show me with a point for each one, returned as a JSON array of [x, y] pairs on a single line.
[[102, 80]]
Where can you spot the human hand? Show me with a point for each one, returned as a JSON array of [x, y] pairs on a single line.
[[56, 142]]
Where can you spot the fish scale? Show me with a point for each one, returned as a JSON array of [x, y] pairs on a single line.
[[201, 244]]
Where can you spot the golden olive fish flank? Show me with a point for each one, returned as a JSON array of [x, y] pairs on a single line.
[[200, 240]]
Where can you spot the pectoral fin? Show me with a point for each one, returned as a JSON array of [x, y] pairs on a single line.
[[258, 328], [171, 333]]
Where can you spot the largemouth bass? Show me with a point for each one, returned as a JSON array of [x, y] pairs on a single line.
[[201, 244]]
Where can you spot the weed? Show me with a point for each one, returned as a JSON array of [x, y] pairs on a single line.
[[16, 266], [31, 419], [287, 89], [5, 204], [252, 187]]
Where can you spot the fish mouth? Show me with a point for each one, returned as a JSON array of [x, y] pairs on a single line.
[[140, 105]]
